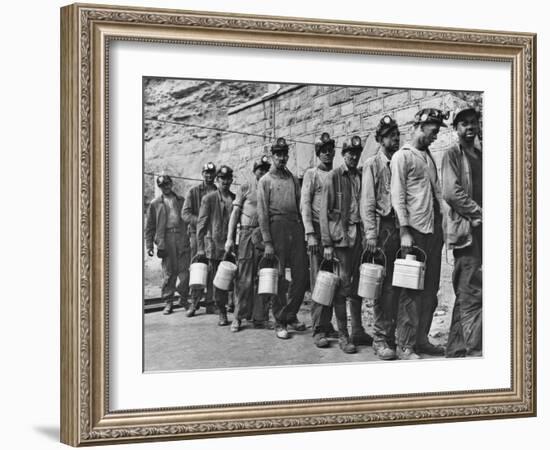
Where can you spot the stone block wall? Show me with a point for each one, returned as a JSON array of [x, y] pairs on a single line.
[[300, 113]]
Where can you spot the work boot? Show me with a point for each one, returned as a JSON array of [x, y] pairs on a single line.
[[223, 317], [168, 308], [346, 345], [383, 351], [406, 353], [183, 303], [320, 340], [429, 349], [360, 337], [194, 306], [235, 325], [281, 332], [296, 325]]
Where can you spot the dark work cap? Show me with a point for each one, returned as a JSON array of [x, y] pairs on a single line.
[[325, 141], [209, 167], [430, 115], [460, 112], [262, 162], [279, 146], [354, 145], [164, 180], [385, 125], [225, 172]]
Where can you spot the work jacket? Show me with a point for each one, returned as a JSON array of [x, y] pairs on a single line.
[[335, 208], [375, 193], [155, 223], [459, 208], [310, 202], [190, 211], [412, 191], [213, 223]]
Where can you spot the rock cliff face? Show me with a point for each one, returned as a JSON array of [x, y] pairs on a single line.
[[182, 150]]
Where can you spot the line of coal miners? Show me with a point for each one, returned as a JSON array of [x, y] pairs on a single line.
[[396, 204]]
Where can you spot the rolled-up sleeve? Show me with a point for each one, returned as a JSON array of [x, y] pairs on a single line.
[[263, 208], [368, 201], [399, 187], [306, 201]]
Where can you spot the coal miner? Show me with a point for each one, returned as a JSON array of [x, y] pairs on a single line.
[[310, 206], [382, 232], [461, 179], [165, 228], [283, 236], [190, 214], [212, 226], [341, 236], [415, 197], [248, 304]]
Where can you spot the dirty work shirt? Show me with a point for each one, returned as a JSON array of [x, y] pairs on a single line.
[[171, 204], [247, 200], [477, 178], [278, 198], [310, 203]]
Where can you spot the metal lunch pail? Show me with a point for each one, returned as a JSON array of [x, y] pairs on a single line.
[[326, 283], [226, 273], [198, 272], [408, 272], [268, 277], [371, 276]]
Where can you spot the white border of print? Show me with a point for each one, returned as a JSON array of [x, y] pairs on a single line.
[[130, 388]]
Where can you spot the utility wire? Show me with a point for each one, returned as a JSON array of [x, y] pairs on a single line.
[[152, 174], [184, 124]]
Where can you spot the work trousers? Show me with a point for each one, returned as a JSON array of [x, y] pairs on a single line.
[[321, 315], [416, 307], [289, 245], [175, 266], [385, 306], [248, 303], [465, 335], [349, 259]]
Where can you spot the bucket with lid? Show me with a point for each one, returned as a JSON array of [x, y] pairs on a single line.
[[268, 277], [198, 272], [227, 269], [371, 274], [326, 282], [408, 272]]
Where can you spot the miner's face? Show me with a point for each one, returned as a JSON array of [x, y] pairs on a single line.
[[467, 127], [391, 141], [351, 158], [280, 159], [208, 177], [326, 154]]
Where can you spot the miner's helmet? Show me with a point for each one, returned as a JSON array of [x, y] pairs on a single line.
[[225, 172], [209, 167], [459, 113], [262, 162], [431, 115], [324, 142], [355, 144], [164, 180], [279, 146], [385, 126]]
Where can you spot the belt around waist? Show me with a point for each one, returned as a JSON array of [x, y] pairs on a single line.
[[248, 227], [174, 230], [281, 218]]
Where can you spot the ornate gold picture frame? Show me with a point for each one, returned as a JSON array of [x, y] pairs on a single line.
[[87, 31]]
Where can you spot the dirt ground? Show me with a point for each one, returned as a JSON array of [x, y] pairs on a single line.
[[176, 342]]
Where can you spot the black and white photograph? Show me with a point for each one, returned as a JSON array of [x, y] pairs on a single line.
[[292, 224]]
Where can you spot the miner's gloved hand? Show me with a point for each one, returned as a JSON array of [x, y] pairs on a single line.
[[151, 252], [407, 240], [161, 253], [269, 252], [312, 244], [228, 245], [370, 245], [328, 253]]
